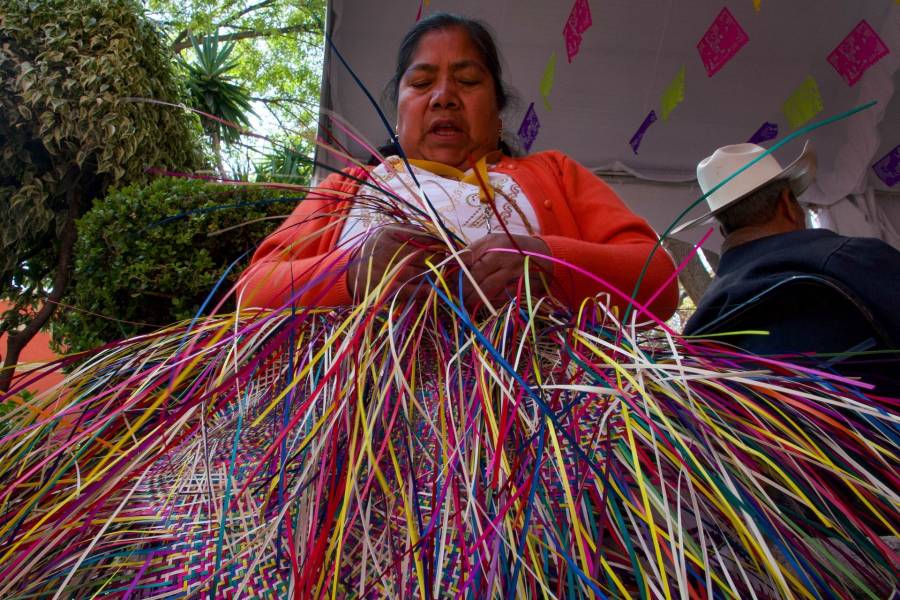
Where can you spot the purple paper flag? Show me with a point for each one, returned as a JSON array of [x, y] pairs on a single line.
[[639, 134], [528, 130], [888, 167], [721, 42], [861, 49], [767, 131], [577, 23]]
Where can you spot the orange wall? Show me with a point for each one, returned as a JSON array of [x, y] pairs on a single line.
[[37, 351]]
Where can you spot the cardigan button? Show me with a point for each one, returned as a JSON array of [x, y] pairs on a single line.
[[547, 204]]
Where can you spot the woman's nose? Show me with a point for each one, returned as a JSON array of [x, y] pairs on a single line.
[[444, 94]]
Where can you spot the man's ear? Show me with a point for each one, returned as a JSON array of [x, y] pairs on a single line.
[[790, 209]]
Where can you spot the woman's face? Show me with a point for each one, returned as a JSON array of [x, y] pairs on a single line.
[[447, 105]]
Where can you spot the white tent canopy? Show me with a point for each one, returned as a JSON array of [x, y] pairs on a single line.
[[628, 57]]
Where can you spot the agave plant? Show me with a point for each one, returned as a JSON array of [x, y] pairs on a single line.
[[288, 164], [214, 92]]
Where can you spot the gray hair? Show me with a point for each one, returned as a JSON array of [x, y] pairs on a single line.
[[756, 209]]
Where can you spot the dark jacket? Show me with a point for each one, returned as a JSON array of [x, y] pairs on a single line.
[[866, 267]]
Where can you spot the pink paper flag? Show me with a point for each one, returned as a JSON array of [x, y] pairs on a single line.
[[861, 49], [578, 22], [573, 41], [580, 16], [721, 42]]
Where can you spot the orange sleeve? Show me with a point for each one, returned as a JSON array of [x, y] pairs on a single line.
[[300, 260], [615, 245]]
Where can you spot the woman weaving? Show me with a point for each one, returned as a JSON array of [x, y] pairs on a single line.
[[275, 456], [449, 96]]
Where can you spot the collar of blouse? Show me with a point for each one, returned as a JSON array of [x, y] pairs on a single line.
[[477, 175]]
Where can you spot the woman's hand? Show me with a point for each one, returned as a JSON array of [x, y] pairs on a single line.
[[498, 273], [387, 248]]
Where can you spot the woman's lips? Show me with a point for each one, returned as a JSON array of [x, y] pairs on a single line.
[[445, 130]]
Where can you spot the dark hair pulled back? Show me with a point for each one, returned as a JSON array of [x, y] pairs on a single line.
[[478, 32], [481, 37]]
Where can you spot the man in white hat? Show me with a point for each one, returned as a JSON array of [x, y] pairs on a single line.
[[766, 241]]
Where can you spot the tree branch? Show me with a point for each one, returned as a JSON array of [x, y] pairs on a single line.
[[182, 44], [286, 100], [16, 341], [249, 9], [178, 45], [183, 35]]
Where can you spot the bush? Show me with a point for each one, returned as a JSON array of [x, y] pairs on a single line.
[[70, 129], [148, 256]]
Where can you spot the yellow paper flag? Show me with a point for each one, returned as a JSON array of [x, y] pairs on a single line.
[[673, 95], [804, 103], [547, 80], [758, 3]]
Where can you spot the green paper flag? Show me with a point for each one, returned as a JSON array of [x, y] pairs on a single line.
[[673, 95], [547, 80], [804, 103]]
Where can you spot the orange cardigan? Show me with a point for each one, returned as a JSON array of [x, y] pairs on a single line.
[[582, 221]]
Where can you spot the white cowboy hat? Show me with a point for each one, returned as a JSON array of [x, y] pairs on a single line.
[[726, 160]]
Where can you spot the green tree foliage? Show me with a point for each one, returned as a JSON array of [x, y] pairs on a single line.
[[285, 165], [148, 256], [278, 55], [69, 131]]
